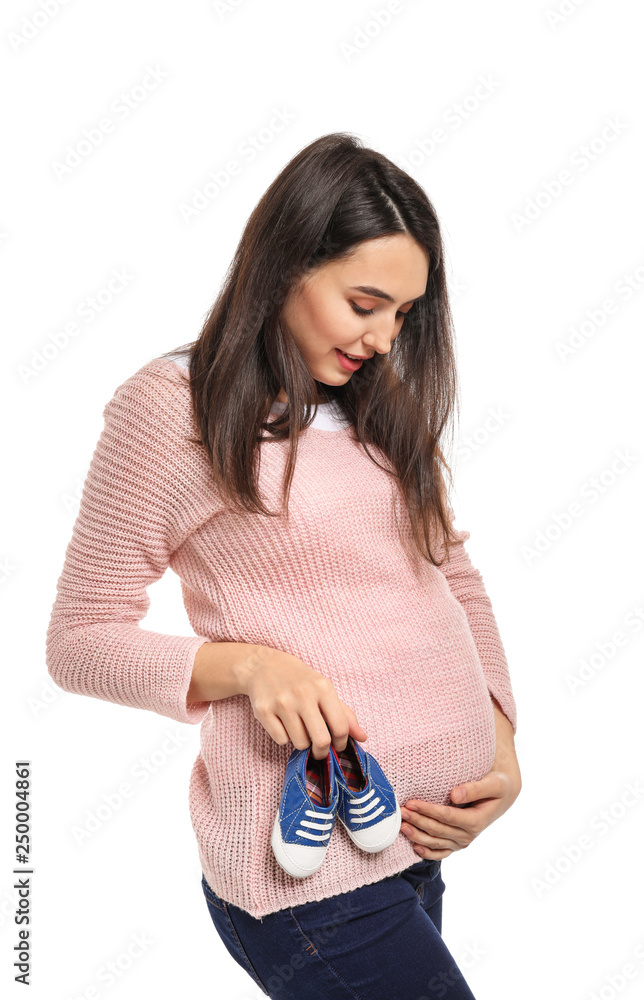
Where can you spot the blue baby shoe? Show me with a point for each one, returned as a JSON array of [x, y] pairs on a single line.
[[306, 815], [367, 807]]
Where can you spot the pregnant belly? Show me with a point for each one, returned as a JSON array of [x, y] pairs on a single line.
[[432, 734], [430, 729], [430, 770]]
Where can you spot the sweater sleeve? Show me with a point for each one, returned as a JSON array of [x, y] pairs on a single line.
[[466, 584], [130, 520]]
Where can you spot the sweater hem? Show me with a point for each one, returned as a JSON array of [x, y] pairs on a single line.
[[398, 863]]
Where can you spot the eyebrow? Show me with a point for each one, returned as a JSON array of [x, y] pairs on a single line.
[[379, 294]]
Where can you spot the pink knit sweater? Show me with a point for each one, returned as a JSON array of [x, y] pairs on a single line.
[[412, 648]]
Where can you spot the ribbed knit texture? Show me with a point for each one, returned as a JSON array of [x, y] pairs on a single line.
[[412, 648]]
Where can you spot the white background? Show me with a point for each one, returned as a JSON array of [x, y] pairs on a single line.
[[541, 924]]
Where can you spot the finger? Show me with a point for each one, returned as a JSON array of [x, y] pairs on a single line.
[[342, 722], [295, 728], [489, 786], [356, 729], [429, 855], [431, 827], [275, 729], [334, 714], [441, 820], [451, 815], [318, 731], [429, 841]]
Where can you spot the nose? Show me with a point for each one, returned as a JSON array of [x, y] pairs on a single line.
[[381, 336]]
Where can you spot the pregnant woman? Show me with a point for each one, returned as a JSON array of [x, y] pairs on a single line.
[[288, 466]]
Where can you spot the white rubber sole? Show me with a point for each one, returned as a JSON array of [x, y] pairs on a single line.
[[378, 836], [296, 859]]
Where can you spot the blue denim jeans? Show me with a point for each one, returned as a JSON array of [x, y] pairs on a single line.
[[379, 942]]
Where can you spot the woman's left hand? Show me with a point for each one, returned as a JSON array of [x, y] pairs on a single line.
[[437, 830]]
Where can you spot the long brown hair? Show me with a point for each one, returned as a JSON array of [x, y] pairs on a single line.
[[334, 194]]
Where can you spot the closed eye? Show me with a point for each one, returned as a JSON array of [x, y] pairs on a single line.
[[369, 312]]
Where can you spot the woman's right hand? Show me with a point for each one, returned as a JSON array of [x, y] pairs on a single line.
[[294, 702]]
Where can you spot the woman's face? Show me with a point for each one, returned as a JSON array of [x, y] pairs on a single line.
[[355, 306]]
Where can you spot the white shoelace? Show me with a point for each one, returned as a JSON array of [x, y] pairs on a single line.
[[368, 809], [316, 825]]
